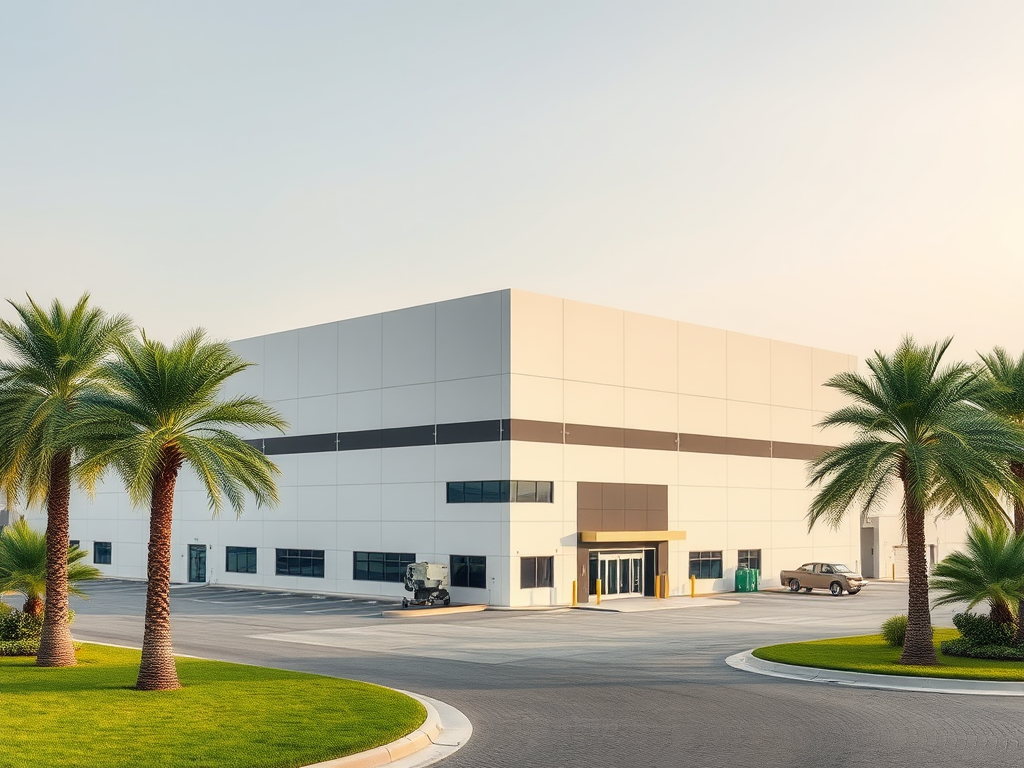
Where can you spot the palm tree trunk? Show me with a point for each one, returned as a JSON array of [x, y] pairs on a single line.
[[157, 672], [918, 647], [1018, 528], [56, 649]]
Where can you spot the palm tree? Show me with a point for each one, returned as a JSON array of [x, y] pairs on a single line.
[[917, 425], [23, 566], [990, 569], [163, 413], [1006, 399], [56, 360]]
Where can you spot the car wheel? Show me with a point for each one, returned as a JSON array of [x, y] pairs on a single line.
[[807, 590], [836, 589], [794, 585], [447, 599], [854, 591]]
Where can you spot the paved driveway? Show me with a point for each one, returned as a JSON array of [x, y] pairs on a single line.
[[582, 688]]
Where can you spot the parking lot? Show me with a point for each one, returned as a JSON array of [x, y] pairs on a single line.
[[580, 688]]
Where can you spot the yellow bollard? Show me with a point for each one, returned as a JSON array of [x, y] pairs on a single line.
[[574, 594], [657, 587], [664, 590], [598, 591], [894, 571], [693, 586]]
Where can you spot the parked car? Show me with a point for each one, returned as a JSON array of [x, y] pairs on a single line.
[[835, 577]]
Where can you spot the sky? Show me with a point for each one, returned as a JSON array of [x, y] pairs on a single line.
[[828, 173]]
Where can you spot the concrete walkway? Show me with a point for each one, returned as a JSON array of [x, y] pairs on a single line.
[[642, 604], [747, 662]]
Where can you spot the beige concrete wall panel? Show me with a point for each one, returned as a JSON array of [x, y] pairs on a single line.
[[477, 399], [409, 346], [536, 398], [749, 368], [792, 425], [703, 361], [791, 375], [651, 466], [534, 461], [825, 365], [749, 420], [750, 505], [593, 344], [703, 469], [535, 343], [360, 350], [789, 474], [651, 352], [649, 410], [749, 472], [701, 504], [792, 505], [584, 462], [748, 535], [594, 404], [318, 360], [702, 415], [469, 337]]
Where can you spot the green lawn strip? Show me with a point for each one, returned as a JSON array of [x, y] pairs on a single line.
[[869, 653], [226, 716]]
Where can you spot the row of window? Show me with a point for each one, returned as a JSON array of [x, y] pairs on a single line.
[[707, 564], [495, 491]]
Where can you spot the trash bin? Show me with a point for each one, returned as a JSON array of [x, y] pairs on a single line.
[[747, 579]]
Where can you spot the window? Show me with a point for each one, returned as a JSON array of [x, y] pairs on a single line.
[[243, 560], [468, 571], [706, 565], [381, 566], [300, 562], [750, 558], [494, 491], [536, 572], [101, 552], [74, 544]]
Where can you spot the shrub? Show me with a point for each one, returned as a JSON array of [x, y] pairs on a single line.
[[19, 647], [963, 647], [982, 631], [5, 609], [15, 626], [894, 630]]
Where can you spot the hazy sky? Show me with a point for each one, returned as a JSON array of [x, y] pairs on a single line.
[[830, 173]]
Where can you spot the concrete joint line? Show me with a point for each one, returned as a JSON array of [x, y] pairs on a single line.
[[441, 735], [747, 662]]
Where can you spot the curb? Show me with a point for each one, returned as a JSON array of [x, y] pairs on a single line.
[[445, 737], [419, 613], [747, 662]]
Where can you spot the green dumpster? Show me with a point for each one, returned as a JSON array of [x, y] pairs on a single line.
[[747, 579]]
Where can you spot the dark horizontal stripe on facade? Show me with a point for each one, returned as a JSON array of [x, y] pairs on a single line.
[[531, 431]]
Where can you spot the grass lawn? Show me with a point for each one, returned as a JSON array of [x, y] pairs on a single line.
[[228, 715], [869, 653]]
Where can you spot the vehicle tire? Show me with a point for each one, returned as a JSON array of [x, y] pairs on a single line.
[[835, 588], [808, 590], [405, 603], [447, 599], [794, 585], [854, 591]]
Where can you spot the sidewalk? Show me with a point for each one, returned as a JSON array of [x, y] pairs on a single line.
[[747, 662], [641, 604]]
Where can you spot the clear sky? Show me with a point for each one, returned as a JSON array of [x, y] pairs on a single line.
[[829, 173]]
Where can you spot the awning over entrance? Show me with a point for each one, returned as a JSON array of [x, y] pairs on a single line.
[[616, 536]]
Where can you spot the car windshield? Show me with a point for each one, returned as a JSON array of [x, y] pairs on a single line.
[[840, 568]]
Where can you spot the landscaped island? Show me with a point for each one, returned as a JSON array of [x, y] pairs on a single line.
[[871, 654], [227, 715]]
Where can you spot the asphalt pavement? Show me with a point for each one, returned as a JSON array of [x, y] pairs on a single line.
[[588, 688]]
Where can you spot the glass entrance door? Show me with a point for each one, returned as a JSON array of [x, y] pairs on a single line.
[[621, 573], [197, 563]]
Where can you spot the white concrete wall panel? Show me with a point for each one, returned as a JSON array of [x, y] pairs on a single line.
[[469, 337], [408, 406], [409, 346], [359, 467], [281, 372], [316, 415], [469, 461], [318, 360], [473, 399], [360, 410], [360, 353], [407, 501]]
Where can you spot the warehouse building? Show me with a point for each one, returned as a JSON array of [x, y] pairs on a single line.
[[528, 441]]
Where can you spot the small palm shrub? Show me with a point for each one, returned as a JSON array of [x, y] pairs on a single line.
[[894, 630], [20, 633]]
